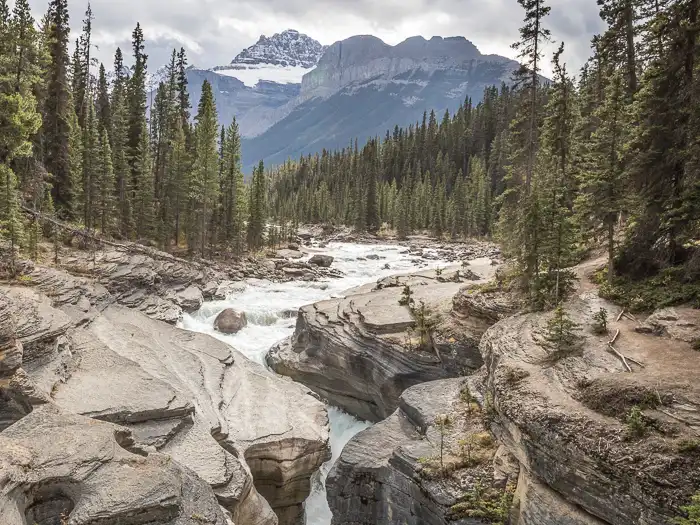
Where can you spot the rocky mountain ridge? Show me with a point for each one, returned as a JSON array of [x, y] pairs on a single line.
[[292, 95], [363, 87], [288, 48]]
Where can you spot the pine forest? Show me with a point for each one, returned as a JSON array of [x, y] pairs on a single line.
[[549, 167]]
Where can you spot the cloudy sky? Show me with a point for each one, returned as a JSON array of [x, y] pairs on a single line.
[[214, 31]]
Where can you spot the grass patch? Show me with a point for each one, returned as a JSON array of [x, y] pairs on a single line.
[[486, 503], [668, 288], [689, 446]]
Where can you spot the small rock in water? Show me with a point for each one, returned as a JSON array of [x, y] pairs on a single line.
[[293, 272], [323, 261], [228, 288], [387, 266], [230, 321], [190, 299], [373, 257]]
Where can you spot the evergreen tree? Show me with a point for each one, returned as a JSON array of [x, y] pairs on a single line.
[[602, 175], [232, 190], [75, 165], [104, 117], [106, 205], [56, 128], [119, 144], [91, 168], [205, 187], [257, 209], [143, 192]]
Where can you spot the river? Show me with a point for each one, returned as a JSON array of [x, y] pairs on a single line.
[[270, 309]]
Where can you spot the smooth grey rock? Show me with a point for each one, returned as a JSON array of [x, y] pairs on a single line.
[[138, 371], [289, 254], [190, 299], [209, 290], [230, 321], [324, 261], [57, 464]]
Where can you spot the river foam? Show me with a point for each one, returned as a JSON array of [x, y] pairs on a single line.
[[271, 311]]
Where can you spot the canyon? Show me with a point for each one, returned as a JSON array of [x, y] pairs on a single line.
[[114, 382]]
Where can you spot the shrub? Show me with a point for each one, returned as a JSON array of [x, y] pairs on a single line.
[[635, 422], [561, 336], [425, 325], [692, 512], [406, 297], [689, 446], [600, 322], [444, 424]]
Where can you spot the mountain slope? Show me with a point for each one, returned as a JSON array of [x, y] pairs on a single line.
[[362, 87]]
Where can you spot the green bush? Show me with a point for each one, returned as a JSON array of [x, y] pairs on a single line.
[[692, 512], [668, 288], [561, 337], [636, 425], [600, 322]]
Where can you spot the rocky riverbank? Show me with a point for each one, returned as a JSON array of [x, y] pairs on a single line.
[[531, 437], [72, 357], [360, 352]]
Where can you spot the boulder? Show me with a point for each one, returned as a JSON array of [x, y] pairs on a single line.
[[680, 323], [293, 246], [323, 261], [190, 299], [59, 466], [228, 288], [209, 289], [230, 321], [289, 254]]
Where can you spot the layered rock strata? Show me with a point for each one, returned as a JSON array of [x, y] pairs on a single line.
[[255, 438], [362, 351]]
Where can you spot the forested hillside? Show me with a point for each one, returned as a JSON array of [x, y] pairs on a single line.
[[607, 157], [79, 149]]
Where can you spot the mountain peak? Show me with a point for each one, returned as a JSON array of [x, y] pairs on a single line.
[[288, 48]]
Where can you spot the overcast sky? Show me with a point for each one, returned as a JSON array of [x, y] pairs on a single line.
[[214, 31]]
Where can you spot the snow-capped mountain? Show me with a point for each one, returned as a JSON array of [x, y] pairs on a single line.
[[291, 95], [154, 79], [283, 58]]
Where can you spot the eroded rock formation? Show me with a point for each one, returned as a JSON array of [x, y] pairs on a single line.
[[405, 469], [361, 352], [59, 467], [566, 449], [565, 419], [256, 439]]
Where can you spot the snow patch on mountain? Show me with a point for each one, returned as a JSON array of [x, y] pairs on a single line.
[[283, 58], [154, 79], [252, 74]]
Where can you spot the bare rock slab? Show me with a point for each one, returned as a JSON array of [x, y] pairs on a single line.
[[57, 464]]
